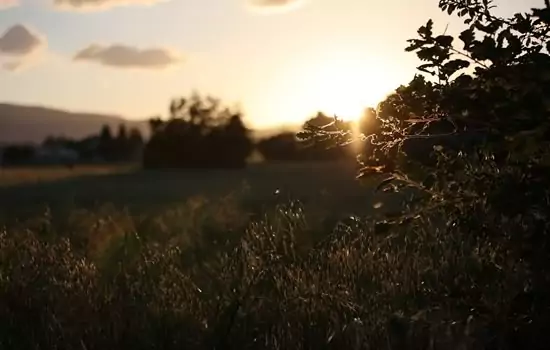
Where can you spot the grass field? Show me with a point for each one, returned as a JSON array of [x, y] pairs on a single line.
[[33, 175], [278, 256], [96, 203], [328, 188]]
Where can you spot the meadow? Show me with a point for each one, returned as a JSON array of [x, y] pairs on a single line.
[[32, 175], [324, 187], [277, 256]]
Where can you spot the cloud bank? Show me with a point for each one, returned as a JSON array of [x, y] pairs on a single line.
[[95, 5], [122, 56], [19, 44]]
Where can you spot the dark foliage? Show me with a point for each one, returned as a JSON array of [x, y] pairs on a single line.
[[198, 134], [323, 148], [291, 147], [125, 146], [16, 154], [359, 288], [281, 147], [103, 146], [474, 145]]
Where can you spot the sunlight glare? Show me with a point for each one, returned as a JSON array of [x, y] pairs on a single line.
[[343, 83], [264, 7], [343, 86]]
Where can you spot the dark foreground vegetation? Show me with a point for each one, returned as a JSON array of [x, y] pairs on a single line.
[[464, 265], [276, 288]]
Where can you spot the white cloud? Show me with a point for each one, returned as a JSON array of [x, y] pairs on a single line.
[[19, 45], [271, 6], [95, 5], [122, 56]]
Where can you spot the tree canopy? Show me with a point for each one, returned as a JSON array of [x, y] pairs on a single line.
[[199, 133]]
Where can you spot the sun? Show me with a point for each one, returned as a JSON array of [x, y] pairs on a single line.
[[342, 86], [337, 91], [337, 83]]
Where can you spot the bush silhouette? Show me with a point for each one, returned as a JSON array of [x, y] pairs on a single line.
[[475, 147], [282, 147], [289, 146], [324, 148], [198, 134]]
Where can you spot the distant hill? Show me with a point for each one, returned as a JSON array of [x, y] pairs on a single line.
[[19, 123], [32, 124]]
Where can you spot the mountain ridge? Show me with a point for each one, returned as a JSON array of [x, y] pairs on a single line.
[[32, 124], [21, 123]]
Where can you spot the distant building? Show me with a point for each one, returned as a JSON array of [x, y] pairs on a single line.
[[54, 155]]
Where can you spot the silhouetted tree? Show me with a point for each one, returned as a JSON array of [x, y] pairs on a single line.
[[135, 144], [106, 134], [198, 134], [368, 122], [321, 136], [125, 147], [293, 147], [122, 135], [121, 147], [88, 148], [17, 154], [106, 143], [234, 143], [155, 124], [281, 147]]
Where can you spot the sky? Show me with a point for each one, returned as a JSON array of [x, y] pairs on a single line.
[[280, 61]]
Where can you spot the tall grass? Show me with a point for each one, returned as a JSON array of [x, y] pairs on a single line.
[[38, 174], [278, 281]]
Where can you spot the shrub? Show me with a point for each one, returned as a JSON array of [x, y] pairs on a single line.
[[474, 147]]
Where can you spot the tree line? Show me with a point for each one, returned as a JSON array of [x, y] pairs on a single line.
[[199, 132], [125, 146]]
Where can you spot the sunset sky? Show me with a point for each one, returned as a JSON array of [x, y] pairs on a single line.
[[281, 60]]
